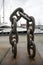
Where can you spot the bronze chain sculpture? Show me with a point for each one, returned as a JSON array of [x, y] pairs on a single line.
[[13, 37]]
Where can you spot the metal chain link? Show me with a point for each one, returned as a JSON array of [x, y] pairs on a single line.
[[15, 16]]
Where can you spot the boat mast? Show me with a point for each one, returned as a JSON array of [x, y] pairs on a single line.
[[3, 11]]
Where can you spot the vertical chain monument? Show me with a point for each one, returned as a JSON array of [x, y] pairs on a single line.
[[30, 25]]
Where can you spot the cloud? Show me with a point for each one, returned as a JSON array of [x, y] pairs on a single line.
[[31, 7]]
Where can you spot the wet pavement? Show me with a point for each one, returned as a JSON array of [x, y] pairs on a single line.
[[22, 55]]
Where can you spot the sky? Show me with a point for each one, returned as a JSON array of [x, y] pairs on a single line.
[[31, 7]]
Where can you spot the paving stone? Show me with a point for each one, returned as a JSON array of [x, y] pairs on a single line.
[[3, 52], [22, 58]]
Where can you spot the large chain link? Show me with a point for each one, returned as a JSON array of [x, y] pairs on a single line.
[[15, 16], [30, 37]]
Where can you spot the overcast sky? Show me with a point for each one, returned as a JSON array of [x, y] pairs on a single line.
[[31, 7]]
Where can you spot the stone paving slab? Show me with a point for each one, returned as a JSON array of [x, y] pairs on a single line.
[[22, 58], [39, 43], [3, 52]]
